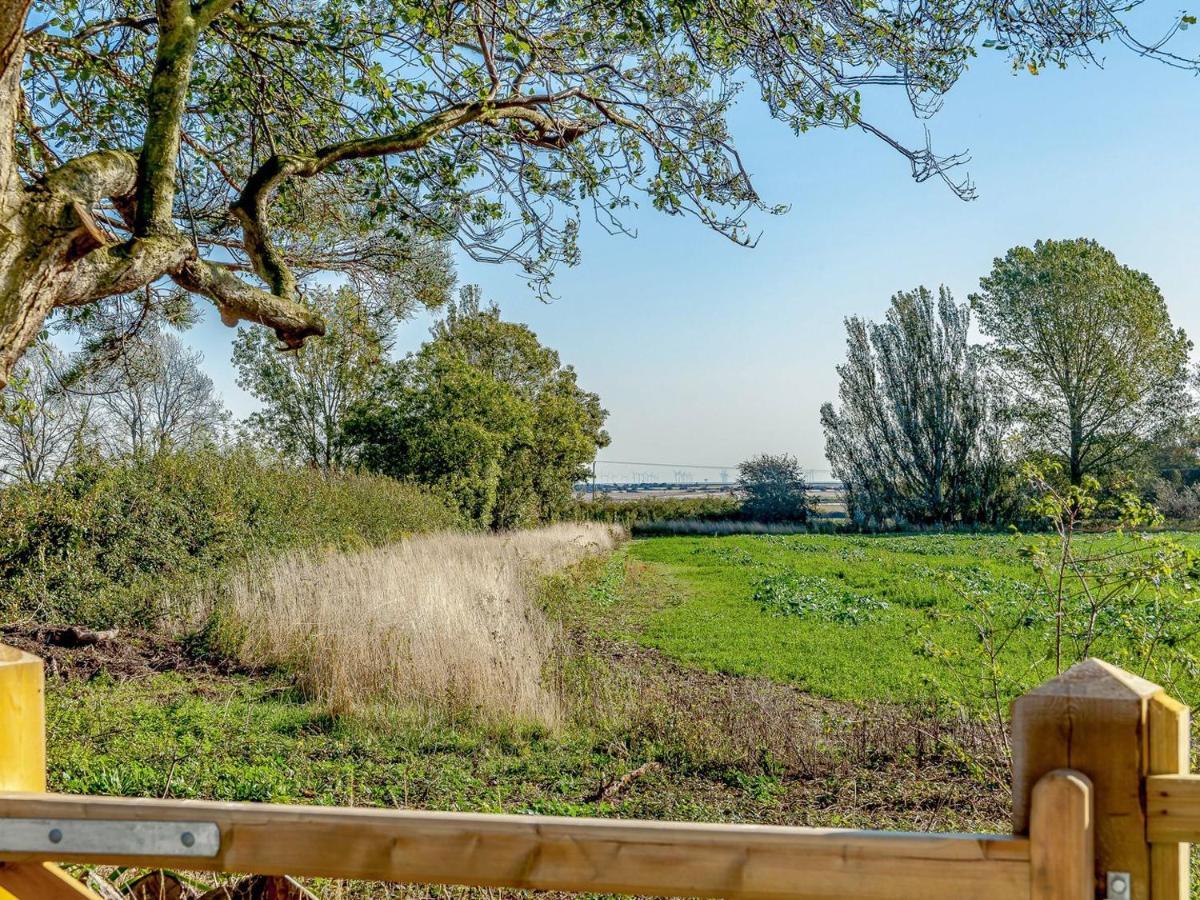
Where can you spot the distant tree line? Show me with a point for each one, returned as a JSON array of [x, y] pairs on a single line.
[[482, 412], [151, 397], [1083, 369]]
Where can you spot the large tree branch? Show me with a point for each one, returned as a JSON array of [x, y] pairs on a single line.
[[122, 268], [178, 33], [211, 9], [12, 54], [252, 208], [12, 29], [109, 270], [101, 175], [238, 300]]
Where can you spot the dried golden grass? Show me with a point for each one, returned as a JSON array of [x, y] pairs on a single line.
[[444, 620]]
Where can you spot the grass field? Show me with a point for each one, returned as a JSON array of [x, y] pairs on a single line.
[[642, 736], [690, 687], [849, 617]]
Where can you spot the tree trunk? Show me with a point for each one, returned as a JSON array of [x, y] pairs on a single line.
[[53, 253], [12, 58], [47, 234], [1076, 451]]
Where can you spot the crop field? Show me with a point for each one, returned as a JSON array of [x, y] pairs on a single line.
[[888, 618]]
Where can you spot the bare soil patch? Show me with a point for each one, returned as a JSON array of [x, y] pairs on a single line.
[[121, 655]]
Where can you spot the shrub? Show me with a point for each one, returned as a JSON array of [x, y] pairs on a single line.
[[774, 488], [648, 510], [1177, 502], [114, 543]]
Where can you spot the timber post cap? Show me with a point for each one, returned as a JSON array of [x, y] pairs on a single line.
[[1094, 678]]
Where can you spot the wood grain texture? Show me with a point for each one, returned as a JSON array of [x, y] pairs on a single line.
[[23, 768], [1173, 808], [1170, 739], [42, 881], [553, 853], [1061, 843], [22, 753], [22, 722], [1092, 718]]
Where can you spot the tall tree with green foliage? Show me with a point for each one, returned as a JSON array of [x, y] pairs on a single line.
[[234, 147], [1089, 348], [307, 395], [920, 430], [487, 413]]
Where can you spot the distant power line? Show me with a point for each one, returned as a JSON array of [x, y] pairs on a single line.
[[625, 462]]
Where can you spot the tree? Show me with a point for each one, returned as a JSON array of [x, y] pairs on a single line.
[[919, 435], [773, 489], [42, 425], [487, 413], [1175, 456], [236, 148], [1088, 346], [155, 396], [1119, 592], [307, 395]]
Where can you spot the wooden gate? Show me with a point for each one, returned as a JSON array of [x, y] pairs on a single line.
[[1103, 807]]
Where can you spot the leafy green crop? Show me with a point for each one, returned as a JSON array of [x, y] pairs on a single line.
[[809, 596]]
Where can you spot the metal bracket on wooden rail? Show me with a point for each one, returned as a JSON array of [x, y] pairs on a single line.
[[1118, 886], [113, 837]]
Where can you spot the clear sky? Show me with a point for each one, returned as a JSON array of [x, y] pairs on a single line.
[[705, 353]]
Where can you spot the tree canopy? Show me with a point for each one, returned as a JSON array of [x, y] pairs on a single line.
[[231, 148], [1089, 349], [488, 414], [919, 434], [156, 397], [773, 489], [307, 395]]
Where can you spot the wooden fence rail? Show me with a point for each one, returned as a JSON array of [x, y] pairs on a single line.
[[555, 853], [1103, 806]]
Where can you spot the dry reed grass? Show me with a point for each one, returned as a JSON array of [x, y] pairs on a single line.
[[444, 621]]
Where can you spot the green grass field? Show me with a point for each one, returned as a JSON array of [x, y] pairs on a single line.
[[851, 617], [688, 662], [646, 738]]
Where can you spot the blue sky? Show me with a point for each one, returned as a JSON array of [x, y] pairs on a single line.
[[705, 353]]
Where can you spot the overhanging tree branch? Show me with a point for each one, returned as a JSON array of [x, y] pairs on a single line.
[[238, 301], [178, 34], [252, 208], [493, 125]]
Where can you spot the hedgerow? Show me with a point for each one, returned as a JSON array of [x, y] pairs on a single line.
[[116, 542]]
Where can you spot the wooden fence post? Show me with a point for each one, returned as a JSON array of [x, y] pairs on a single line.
[[1170, 725], [23, 768], [1061, 839], [22, 722], [1115, 728]]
